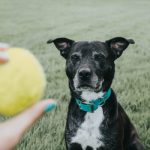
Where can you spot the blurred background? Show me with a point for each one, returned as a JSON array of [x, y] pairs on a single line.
[[29, 24]]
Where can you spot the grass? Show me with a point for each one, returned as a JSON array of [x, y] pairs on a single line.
[[30, 24]]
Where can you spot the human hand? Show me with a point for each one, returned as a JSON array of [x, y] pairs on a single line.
[[12, 130]]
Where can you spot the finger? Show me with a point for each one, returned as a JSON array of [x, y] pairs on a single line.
[[28, 117], [3, 53]]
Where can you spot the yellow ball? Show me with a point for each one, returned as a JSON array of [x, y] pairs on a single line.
[[22, 81]]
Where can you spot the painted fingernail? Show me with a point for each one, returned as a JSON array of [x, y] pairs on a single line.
[[50, 107]]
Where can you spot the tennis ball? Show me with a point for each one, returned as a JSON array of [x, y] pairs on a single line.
[[22, 80]]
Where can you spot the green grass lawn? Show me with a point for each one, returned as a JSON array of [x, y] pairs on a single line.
[[30, 23]]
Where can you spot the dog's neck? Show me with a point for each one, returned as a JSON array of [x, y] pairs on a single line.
[[93, 102], [91, 95]]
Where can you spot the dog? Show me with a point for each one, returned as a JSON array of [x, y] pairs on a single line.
[[95, 120]]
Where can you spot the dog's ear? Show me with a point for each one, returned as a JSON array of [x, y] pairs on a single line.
[[118, 44], [63, 45]]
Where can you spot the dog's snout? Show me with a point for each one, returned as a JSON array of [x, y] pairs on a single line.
[[85, 73]]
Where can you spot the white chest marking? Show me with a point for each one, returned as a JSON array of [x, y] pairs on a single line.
[[89, 95], [88, 133]]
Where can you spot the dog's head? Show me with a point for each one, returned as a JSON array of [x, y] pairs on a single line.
[[90, 65]]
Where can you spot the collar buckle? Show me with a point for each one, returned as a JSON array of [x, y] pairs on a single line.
[[92, 107]]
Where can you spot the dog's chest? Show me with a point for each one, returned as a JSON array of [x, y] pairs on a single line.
[[88, 134]]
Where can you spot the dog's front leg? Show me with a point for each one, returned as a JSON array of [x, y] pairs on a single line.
[[75, 146], [136, 145]]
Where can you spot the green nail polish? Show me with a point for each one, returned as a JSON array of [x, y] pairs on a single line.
[[49, 107]]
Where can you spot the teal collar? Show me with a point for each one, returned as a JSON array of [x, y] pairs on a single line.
[[93, 104]]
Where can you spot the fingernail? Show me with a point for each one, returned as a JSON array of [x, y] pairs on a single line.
[[50, 107]]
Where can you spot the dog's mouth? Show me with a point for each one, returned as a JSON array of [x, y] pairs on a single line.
[[89, 87], [85, 87]]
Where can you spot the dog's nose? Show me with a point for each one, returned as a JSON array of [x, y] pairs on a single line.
[[85, 73]]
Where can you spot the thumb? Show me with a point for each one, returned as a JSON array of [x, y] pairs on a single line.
[[14, 129]]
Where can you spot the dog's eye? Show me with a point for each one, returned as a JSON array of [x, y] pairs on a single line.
[[98, 57], [75, 57]]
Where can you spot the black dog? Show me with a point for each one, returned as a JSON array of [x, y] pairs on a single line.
[[96, 121]]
